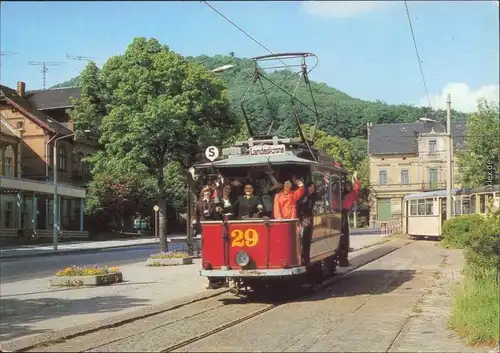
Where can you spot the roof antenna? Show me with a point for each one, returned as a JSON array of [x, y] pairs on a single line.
[[79, 57], [44, 65]]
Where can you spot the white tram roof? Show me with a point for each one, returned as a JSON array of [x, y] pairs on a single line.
[[431, 194], [247, 160]]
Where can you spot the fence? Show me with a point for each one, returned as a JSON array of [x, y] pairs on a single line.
[[390, 227]]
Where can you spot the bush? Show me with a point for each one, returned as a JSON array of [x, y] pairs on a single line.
[[475, 308], [457, 231], [483, 245]]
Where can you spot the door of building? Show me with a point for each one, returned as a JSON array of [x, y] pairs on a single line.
[[384, 211]]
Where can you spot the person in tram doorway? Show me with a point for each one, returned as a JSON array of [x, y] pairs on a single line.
[[306, 215], [205, 208], [285, 202], [349, 198], [248, 205], [205, 211]]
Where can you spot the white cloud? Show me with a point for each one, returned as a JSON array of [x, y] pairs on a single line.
[[463, 98], [342, 9]]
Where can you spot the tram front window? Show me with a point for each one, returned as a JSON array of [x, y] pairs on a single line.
[[253, 188]]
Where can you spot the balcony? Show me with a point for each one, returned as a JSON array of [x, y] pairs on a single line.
[[433, 186]]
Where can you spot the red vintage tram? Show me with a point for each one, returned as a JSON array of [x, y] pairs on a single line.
[[257, 251], [260, 251]]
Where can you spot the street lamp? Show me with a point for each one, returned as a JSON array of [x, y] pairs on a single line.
[[223, 68], [56, 229]]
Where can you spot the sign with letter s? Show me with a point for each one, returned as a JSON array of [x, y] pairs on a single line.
[[212, 153]]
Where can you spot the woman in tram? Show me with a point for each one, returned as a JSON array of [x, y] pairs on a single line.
[[285, 202], [225, 204]]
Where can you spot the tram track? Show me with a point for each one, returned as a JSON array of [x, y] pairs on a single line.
[[193, 322]]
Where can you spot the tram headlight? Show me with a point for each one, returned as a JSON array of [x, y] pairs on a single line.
[[242, 259]]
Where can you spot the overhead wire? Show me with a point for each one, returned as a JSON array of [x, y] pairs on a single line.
[[418, 55], [244, 32]]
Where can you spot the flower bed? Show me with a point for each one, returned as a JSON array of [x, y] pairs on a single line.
[[170, 258], [93, 275]]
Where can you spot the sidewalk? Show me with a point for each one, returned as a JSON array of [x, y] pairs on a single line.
[[30, 307], [79, 247]]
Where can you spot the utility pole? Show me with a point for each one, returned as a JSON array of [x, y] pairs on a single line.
[[44, 65], [449, 179]]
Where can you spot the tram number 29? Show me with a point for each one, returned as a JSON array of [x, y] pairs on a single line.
[[248, 238]]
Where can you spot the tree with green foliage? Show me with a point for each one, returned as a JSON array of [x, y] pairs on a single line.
[[479, 163], [162, 109], [89, 110], [119, 189]]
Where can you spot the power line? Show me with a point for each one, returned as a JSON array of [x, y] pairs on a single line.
[[244, 32], [418, 56]]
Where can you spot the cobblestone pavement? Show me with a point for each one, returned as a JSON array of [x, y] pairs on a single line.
[[30, 307], [398, 303]]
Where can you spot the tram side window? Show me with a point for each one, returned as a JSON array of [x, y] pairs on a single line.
[[335, 193], [320, 205], [413, 208], [482, 203], [465, 206], [422, 207], [458, 207]]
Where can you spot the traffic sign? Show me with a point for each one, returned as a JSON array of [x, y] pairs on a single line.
[[212, 153], [156, 208]]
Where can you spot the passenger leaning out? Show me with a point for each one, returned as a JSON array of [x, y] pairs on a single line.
[[285, 202], [248, 205]]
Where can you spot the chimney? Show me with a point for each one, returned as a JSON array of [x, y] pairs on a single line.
[[21, 88]]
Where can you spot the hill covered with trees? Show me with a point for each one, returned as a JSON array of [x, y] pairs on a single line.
[[339, 114]]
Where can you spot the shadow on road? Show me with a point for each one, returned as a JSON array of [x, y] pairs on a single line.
[[357, 283], [19, 315]]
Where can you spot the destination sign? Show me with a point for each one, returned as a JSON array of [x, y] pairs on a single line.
[[267, 150]]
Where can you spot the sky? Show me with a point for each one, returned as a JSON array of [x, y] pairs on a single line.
[[365, 48]]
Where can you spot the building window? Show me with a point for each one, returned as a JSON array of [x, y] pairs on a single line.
[[62, 159], [9, 215], [19, 124], [9, 170], [433, 178], [382, 177], [432, 147], [405, 180]]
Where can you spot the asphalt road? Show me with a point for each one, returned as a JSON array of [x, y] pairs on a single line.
[[12, 270]]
